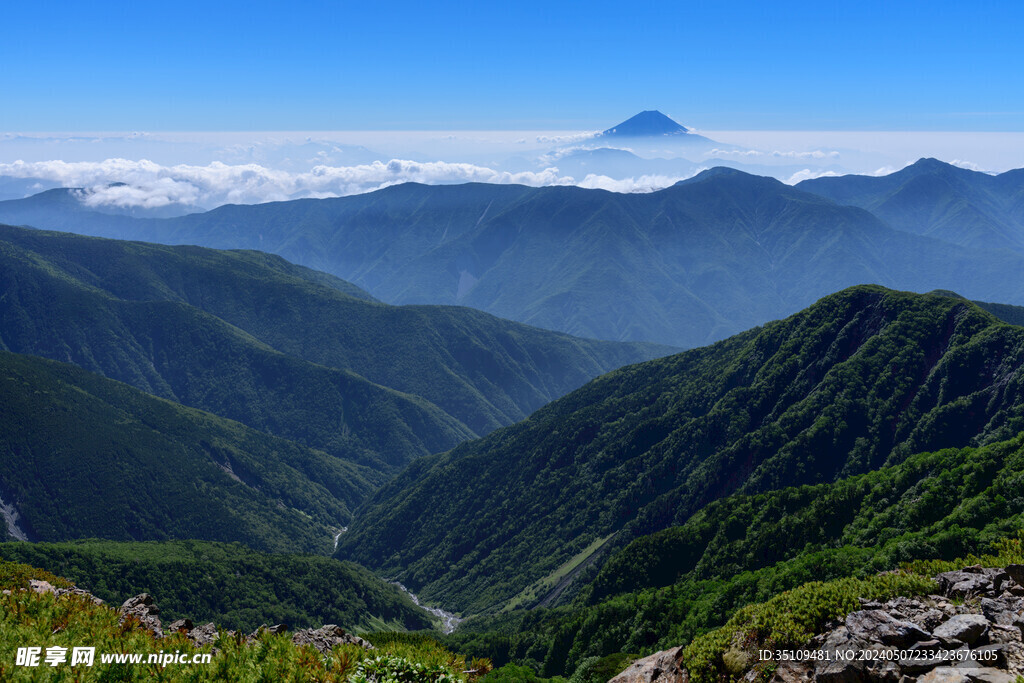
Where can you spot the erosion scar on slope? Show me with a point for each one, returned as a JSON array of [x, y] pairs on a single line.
[[560, 587]]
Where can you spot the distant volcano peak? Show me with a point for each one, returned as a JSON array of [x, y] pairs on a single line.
[[645, 124]]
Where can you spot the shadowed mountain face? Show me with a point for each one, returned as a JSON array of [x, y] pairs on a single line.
[[861, 379], [283, 349], [645, 124], [687, 265], [936, 199], [82, 456]]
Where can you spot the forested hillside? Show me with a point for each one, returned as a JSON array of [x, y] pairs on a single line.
[[665, 588], [283, 349], [235, 586], [862, 379], [82, 456]]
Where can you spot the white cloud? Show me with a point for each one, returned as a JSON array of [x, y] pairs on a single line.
[[125, 183], [816, 154], [716, 152], [146, 184], [646, 183], [813, 154], [808, 174], [969, 165], [565, 139]]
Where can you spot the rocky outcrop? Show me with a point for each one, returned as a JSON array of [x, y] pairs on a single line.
[[326, 637], [661, 667], [972, 632], [143, 608], [39, 586]]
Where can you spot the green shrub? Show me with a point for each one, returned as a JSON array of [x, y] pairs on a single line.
[[395, 669]]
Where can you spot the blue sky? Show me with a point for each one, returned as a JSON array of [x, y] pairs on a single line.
[[221, 66]]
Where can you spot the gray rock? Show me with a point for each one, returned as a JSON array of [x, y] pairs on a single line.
[[989, 675], [880, 627], [968, 628], [966, 582], [917, 665], [142, 601], [275, 629], [840, 671], [79, 592], [945, 674], [930, 619], [661, 667], [884, 671], [1016, 572], [203, 635], [990, 656], [1001, 610], [837, 669], [1004, 634], [180, 625], [326, 637], [143, 608], [792, 672]]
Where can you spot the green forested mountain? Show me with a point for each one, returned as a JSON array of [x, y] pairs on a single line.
[[663, 589], [281, 348], [862, 379], [177, 351], [687, 265], [230, 584], [932, 198], [85, 456]]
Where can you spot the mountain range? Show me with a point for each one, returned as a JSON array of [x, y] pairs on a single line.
[[684, 266], [246, 335], [935, 199]]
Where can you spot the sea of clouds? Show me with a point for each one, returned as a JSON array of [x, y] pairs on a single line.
[[146, 184], [205, 170]]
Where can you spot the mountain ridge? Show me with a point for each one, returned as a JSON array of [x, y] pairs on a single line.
[[647, 446], [685, 265]]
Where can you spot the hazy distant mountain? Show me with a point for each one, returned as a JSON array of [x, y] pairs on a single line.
[[284, 349], [619, 163], [18, 188], [940, 200], [686, 265]]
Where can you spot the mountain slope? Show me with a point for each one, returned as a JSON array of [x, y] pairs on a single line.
[[175, 351], [246, 334], [862, 378], [84, 456], [936, 199], [687, 265], [234, 586], [674, 584]]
